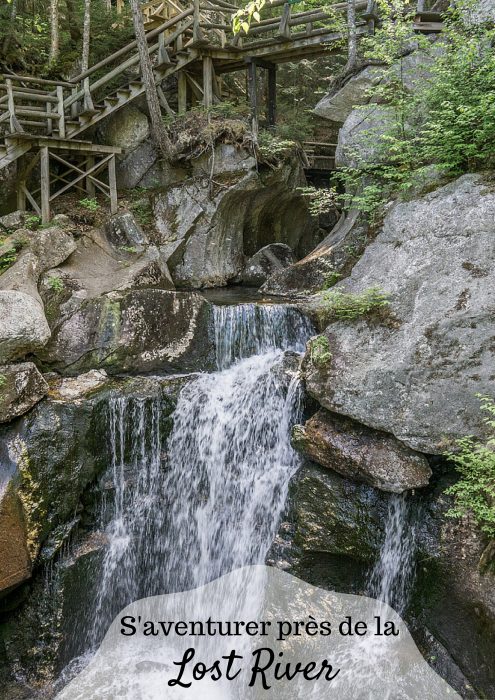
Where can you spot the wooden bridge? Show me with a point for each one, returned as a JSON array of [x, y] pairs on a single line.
[[47, 124]]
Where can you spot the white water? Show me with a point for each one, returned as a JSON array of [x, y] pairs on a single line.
[[209, 501], [392, 576]]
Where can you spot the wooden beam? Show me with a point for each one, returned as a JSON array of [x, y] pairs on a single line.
[[90, 185], [182, 92], [45, 185], [272, 95], [253, 97], [207, 82]]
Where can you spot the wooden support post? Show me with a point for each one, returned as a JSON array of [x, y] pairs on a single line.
[[21, 184], [421, 6], [60, 111], [49, 120], [271, 111], [90, 185], [182, 92], [284, 26], [253, 97], [207, 82], [15, 127], [45, 185], [163, 57], [112, 181], [197, 35]]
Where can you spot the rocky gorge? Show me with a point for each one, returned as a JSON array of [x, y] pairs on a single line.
[[107, 329]]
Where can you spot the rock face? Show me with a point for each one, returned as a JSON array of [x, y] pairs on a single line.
[[15, 560], [23, 326], [329, 261], [417, 377], [360, 136], [21, 387], [140, 331], [361, 454], [270, 259], [127, 128], [206, 229]]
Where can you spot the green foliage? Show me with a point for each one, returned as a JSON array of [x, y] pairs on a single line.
[[338, 304], [89, 203], [448, 121], [271, 145], [319, 351], [3, 381], [55, 283], [7, 260], [474, 493], [320, 200], [32, 222], [331, 280], [242, 19]]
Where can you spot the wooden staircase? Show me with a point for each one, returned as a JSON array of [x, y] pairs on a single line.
[[195, 43]]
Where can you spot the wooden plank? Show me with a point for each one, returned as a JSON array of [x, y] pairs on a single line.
[[39, 81], [253, 97], [272, 95], [182, 92]]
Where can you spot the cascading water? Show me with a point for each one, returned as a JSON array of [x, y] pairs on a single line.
[[212, 503], [392, 576]]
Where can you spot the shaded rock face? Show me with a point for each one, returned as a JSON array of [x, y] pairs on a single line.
[[52, 460], [331, 259], [418, 376], [136, 331], [15, 559], [360, 136], [21, 387], [205, 229], [272, 258], [127, 128], [361, 454], [454, 596]]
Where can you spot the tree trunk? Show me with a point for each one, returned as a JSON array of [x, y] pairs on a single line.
[[54, 31], [11, 30], [352, 36], [86, 36], [73, 21], [158, 131]]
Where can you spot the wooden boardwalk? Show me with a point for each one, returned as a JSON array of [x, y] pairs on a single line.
[[194, 44]]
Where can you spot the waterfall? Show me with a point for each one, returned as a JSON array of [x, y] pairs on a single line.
[[207, 500], [392, 576]]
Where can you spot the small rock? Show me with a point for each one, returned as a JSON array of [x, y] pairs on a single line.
[[72, 388], [13, 220], [61, 220], [21, 387], [360, 453]]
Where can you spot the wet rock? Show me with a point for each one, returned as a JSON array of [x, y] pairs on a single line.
[[139, 331], [272, 258], [15, 559], [21, 387], [361, 454], [336, 516], [418, 375]]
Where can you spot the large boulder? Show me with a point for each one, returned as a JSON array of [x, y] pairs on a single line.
[[359, 453], [360, 138], [228, 210], [126, 128], [23, 326], [417, 374], [357, 89], [21, 387], [135, 331], [270, 259]]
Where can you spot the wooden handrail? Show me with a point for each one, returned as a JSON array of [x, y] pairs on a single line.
[[40, 81], [133, 44]]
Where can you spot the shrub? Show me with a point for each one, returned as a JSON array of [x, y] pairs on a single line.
[[474, 493], [56, 284], [319, 350], [338, 304], [89, 203]]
